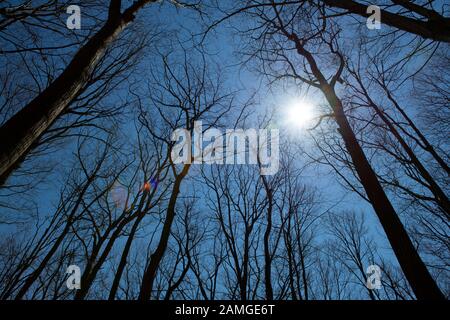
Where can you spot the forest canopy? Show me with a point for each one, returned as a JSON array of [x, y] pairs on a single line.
[[316, 163]]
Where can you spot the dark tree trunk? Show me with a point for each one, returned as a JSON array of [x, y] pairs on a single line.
[[95, 265], [22, 131], [267, 255], [55, 246], [433, 186], [435, 28], [415, 271], [156, 257], [417, 274], [126, 250]]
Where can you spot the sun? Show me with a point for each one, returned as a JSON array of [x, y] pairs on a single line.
[[299, 114]]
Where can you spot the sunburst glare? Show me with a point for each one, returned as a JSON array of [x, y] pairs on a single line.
[[299, 114]]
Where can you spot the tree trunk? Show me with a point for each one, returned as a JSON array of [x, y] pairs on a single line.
[[70, 220], [440, 196], [267, 255], [23, 130], [417, 274], [435, 28], [91, 270], [415, 271], [150, 272], [126, 250]]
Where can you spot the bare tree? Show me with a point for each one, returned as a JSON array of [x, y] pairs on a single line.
[[27, 126], [47, 243], [280, 41], [352, 246], [188, 93]]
